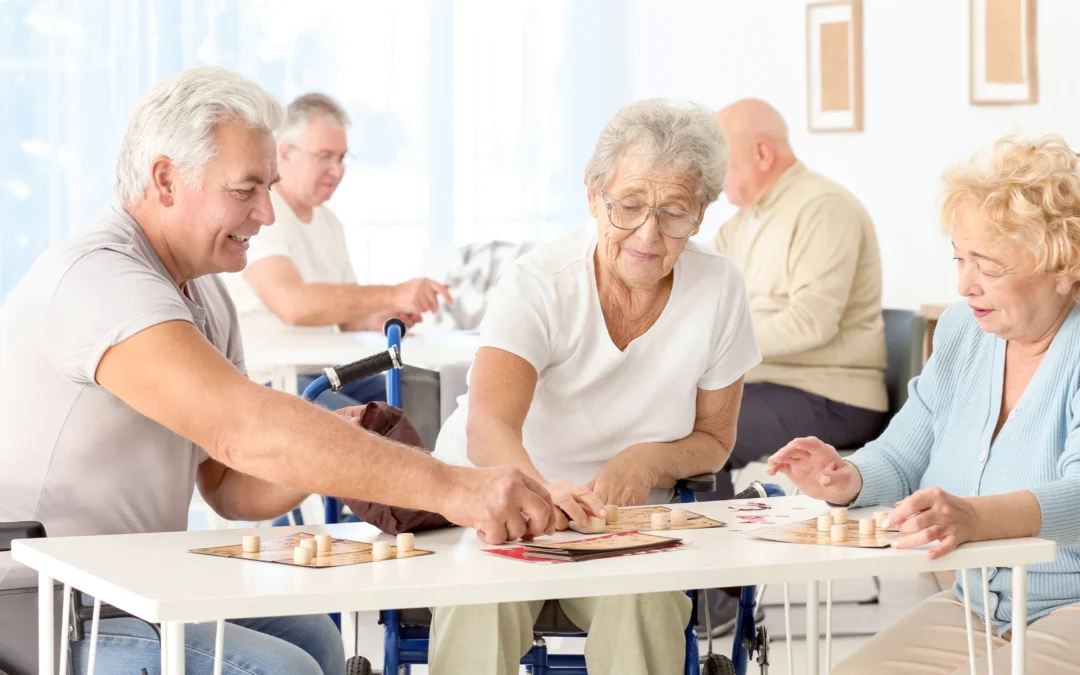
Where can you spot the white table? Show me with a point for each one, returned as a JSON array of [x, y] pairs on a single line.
[[283, 358], [154, 577]]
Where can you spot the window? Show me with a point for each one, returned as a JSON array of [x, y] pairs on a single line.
[[472, 119]]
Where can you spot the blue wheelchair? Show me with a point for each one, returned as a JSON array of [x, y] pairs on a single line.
[[407, 631]]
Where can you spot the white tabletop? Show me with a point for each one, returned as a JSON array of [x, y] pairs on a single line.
[[153, 575], [427, 350]]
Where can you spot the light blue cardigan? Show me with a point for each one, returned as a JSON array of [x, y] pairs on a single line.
[[942, 435]]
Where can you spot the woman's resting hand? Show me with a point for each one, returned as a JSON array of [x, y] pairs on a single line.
[[817, 470], [930, 515], [574, 502], [624, 480]]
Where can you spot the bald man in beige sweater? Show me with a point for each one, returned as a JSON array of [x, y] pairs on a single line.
[[809, 254]]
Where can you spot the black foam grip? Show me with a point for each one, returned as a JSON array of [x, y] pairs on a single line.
[[358, 370], [754, 490]]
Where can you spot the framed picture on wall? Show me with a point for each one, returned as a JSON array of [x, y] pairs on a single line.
[[834, 91], [1003, 63]]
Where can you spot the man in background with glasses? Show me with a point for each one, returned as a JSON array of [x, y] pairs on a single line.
[[808, 251], [299, 279]]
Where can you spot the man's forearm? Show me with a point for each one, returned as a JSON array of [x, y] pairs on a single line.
[[335, 304], [694, 455], [286, 441], [491, 442], [237, 496]]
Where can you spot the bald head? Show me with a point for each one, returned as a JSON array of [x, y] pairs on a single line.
[[760, 149]]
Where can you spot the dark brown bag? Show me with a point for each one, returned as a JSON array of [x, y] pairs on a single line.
[[390, 422]]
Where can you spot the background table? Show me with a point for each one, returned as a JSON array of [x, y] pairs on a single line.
[[154, 577]]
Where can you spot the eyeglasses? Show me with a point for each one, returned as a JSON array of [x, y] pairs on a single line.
[[325, 159], [630, 214]]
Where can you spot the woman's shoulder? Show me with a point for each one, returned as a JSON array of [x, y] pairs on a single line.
[[700, 257], [706, 272], [550, 260]]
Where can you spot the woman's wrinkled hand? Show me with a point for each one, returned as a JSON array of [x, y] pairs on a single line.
[[817, 470], [931, 514]]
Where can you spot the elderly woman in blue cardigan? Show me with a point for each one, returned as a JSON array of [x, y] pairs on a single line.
[[988, 444]]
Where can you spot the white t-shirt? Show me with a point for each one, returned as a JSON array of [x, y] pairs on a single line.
[[317, 249], [592, 401]]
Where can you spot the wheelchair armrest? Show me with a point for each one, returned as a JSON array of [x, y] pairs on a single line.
[[27, 529], [706, 482]]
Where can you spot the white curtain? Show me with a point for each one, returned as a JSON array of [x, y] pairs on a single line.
[[472, 119]]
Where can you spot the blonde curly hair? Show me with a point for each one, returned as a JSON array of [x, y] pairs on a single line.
[[1029, 194]]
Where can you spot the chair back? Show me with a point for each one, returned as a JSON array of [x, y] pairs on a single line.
[[904, 334], [19, 610]]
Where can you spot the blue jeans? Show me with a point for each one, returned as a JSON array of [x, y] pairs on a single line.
[[355, 393], [292, 645]]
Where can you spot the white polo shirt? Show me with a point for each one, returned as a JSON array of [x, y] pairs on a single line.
[[316, 248], [592, 401]]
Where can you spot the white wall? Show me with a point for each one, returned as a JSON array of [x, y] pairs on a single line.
[[917, 117]]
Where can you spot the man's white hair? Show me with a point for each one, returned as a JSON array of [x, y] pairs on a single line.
[[309, 106], [677, 139], [177, 118]]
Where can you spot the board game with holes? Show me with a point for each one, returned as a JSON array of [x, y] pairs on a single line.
[[641, 519], [849, 533], [341, 552]]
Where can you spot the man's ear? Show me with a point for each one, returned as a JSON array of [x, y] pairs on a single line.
[[765, 154], [163, 179]]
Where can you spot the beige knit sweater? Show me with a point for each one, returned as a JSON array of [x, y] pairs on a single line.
[[813, 273]]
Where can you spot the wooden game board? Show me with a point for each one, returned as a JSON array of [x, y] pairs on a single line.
[[342, 552], [806, 532], [639, 519]]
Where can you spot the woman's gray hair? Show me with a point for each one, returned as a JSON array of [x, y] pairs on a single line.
[[301, 111], [177, 118], [680, 139]]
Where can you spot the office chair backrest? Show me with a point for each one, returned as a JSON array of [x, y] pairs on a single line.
[[904, 334], [18, 611]]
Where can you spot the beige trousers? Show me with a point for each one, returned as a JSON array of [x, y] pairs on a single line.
[[931, 639], [628, 635]]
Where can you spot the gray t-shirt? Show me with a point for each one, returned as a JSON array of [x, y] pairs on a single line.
[[74, 456]]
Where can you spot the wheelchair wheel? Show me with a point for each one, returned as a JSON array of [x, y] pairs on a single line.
[[358, 665], [715, 664]]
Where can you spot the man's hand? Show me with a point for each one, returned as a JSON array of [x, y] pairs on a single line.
[[420, 295], [352, 413], [502, 504], [574, 502], [625, 480]]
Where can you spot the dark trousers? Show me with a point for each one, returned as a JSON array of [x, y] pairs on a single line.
[[773, 415]]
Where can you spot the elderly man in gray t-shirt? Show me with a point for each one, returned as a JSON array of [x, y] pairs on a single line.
[[125, 349]]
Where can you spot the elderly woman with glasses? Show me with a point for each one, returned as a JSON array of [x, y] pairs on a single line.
[[611, 365]]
